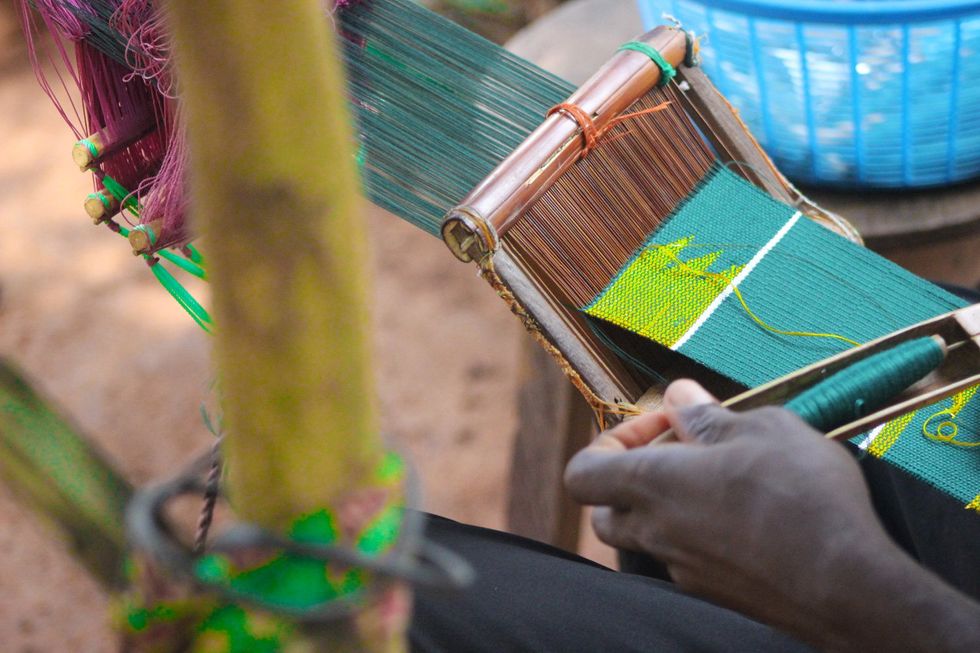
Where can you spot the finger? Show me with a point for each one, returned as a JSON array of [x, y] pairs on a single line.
[[601, 476], [685, 393], [595, 474], [608, 527], [639, 431], [705, 424]]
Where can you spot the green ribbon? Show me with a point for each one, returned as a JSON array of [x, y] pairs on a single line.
[[121, 194], [194, 254], [167, 280], [185, 264], [184, 298], [667, 72]]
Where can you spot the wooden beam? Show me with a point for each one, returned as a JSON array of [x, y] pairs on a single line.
[[63, 477], [276, 195], [555, 422]]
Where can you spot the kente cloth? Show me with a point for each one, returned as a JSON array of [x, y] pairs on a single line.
[[730, 252]]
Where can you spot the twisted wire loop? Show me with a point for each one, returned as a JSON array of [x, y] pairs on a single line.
[[212, 488], [413, 559]]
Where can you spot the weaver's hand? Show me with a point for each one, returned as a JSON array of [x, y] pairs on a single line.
[[757, 511]]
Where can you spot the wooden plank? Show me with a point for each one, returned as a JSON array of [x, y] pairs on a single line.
[[555, 422]]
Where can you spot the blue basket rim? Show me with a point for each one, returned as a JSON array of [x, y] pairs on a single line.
[[861, 12]]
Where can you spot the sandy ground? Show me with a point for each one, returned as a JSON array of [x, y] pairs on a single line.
[[97, 334]]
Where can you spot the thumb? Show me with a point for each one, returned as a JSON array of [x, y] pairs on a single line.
[[694, 414]]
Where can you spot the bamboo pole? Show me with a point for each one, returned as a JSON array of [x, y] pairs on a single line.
[[276, 195], [67, 482]]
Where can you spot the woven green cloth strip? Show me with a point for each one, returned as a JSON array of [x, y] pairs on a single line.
[[667, 72], [810, 280]]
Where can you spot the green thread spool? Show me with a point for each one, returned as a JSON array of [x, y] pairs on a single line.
[[867, 385], [667, 71]]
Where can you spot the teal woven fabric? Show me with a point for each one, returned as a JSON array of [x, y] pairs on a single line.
[[794, 275]]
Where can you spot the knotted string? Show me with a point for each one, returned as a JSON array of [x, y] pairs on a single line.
[[591, 134], [667, 71]]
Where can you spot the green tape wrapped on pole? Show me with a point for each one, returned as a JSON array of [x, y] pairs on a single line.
[[271, 144]]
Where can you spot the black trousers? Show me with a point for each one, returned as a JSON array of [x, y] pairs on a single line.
[[532, 597]]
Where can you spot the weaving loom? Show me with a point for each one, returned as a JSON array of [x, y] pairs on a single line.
[[633, 225]]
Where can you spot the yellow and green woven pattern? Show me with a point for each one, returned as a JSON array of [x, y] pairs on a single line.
[[733, 266]]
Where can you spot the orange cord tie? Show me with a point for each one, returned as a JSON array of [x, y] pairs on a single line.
[[591, 135]]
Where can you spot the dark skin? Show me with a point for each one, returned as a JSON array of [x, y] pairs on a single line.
[[760, 513]]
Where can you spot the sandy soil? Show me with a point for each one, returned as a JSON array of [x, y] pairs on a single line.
[[97, 334]]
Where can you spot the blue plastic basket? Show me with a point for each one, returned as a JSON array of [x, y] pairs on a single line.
[[859, 93]]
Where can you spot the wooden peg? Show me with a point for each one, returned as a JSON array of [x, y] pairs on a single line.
[[88, 150], [144, 237], [101, 206]]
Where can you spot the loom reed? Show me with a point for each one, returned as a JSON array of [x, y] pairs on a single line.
[[590, 222]]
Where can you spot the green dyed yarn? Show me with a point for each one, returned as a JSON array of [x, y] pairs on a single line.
[[184, 298], [437, 106], [867, 385], [193, 254], [185, 264], [121, 194], [667, 71]]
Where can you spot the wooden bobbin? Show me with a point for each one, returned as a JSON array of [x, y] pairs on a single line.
[[101, 206], [144, 237], [88, 150]]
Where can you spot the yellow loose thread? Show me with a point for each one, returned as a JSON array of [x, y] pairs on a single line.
[[716, 276], [948, 430]]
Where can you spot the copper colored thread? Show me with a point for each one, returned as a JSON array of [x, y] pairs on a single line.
[[589, 223], [590, 134]]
